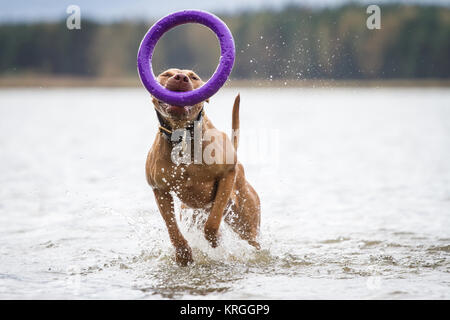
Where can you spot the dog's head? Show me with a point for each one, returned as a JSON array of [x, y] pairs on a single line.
[[179, 80]]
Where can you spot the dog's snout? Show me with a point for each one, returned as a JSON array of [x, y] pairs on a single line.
[[179, 82], [181, 77]]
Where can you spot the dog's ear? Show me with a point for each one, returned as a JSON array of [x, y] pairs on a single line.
[[154, 101], [203, 83]]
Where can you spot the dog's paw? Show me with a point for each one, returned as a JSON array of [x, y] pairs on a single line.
[[183, 255], [255, 244], [213, 237]]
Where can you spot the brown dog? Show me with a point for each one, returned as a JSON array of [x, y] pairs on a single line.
[[219, 188]]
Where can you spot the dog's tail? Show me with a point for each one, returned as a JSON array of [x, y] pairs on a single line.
[[235, 122]]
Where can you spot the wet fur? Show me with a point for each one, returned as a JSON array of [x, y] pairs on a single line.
[[213, 188]]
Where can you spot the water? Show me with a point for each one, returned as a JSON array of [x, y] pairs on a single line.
[[354, 184]]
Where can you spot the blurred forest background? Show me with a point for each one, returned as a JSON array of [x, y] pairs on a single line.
[[292, 43]]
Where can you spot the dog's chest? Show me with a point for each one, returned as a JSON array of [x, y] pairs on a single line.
[[194, 185], [176, 177]]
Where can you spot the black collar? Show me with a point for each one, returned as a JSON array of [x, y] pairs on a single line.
[[166, 130]]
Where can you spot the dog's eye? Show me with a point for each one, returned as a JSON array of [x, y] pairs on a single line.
[[194, 78], [165, 75]]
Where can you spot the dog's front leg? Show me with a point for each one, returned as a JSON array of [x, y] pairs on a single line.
[[224, 188], [183, 253]]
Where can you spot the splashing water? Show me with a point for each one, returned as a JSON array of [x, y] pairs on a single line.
[[354, 187]]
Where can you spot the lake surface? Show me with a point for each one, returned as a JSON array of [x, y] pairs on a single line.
[[354, 185]]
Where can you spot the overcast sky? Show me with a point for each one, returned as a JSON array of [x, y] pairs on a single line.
[[109, 10]]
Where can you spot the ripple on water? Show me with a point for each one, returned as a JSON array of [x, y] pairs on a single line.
[[439, 248], [155, 273]]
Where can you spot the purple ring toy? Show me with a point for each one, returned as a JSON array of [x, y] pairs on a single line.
[[227, 54]]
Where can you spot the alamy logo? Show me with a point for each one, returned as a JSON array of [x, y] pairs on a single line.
[[212, 146], [374, 20], [74, 19], [218, 151]]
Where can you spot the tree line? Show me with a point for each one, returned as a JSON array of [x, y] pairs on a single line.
[[292, 43]]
